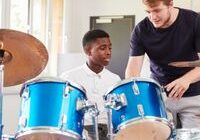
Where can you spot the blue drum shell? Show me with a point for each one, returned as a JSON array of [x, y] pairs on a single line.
[[47, 103]]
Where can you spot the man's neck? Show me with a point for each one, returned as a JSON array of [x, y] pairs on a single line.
[[174, 15]]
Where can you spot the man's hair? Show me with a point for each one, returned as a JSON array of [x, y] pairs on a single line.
[[92, 35], [154, 2]]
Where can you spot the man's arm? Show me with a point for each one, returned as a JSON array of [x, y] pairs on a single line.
[[134, 66]]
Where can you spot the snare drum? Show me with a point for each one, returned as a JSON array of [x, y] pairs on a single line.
[[49, 110], [188, 134], [137, 111], [8, 137]]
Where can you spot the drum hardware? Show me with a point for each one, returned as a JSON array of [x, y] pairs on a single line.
[[68, 89], [1, 97], [25, 94], [95, 124], [115, 101], [140, 110], [168, 112], [7, 137], [109, 126], [195, 63], [174, 133], [92, 109], [63, 122], [22, 122], [94, 112], [24, 104], [135, 88], [81, 105], [5, 57], [86, 106]]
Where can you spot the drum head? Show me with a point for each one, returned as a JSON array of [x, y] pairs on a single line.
[[144, 130], [47, 135]]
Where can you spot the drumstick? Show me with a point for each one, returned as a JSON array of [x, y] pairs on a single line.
[[185, 63]]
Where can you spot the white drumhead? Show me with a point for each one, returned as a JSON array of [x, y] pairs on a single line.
[[144, 130]]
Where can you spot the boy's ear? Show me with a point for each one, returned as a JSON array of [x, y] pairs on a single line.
[[87, 50]]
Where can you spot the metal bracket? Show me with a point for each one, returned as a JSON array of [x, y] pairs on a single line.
[[116, 101]]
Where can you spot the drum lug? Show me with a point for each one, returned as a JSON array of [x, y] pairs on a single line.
[[116, 102], [80, 104], [140, 110], [85, 106], [64, 121], [25, 94], [67, 91], [92, 109], [135, 88], [22, 121]]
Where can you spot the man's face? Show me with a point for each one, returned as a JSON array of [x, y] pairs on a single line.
[[99, 52], [159, 14]]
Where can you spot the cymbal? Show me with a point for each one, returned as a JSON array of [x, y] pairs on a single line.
[[24, 56], [186, 63]]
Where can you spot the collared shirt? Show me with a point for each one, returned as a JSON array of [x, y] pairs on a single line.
[[96, 85]]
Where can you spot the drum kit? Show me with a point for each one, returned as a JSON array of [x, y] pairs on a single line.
[[51, 108], [54, 109]]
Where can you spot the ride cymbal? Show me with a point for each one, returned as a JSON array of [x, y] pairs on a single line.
[[23, 56], [186, 63]]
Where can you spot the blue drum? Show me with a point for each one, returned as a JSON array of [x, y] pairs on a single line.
[[136, 110], [51, 110], [7, 137]]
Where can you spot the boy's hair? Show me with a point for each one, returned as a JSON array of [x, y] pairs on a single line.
[[92, 35], [154, 2]]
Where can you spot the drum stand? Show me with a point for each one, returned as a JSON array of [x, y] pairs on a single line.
[[113, 102], [5, 57], [110, 130], [94, 112], [1, 97]]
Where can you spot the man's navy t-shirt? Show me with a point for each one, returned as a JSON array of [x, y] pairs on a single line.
[[179, 42]]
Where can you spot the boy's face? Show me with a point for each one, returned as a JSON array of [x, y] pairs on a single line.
[[99, 51], [159, 14]]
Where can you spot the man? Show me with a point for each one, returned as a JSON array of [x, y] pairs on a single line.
[[94, 77], [170, 34]]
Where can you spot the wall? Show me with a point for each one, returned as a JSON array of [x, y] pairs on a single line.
[[80, 13]]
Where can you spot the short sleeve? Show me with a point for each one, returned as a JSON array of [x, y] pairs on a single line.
[[136, 47], [197, 33]]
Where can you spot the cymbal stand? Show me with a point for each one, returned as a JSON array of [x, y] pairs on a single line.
[[5, 57], [1, 97], [94, 112], [91, 108], [109, 126]]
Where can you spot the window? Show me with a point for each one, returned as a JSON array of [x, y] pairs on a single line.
[[41, 18]]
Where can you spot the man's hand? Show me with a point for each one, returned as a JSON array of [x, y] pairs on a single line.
[[177, 88]]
